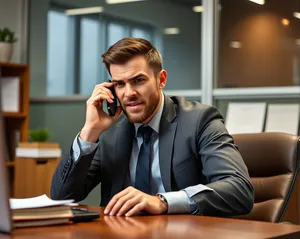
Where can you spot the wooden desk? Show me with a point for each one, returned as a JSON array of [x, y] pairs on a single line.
[[163, 226]]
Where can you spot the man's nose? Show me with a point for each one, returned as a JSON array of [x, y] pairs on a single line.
[[129, 91]]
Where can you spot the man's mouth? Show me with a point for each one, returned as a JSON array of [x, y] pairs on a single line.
[[134, 106], [133, 103]]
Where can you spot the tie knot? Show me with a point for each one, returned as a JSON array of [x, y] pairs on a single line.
[[146, 132]]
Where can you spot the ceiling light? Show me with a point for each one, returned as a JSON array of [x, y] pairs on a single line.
[[81, 11], [198, 8], [297, 15], [285, 22], [171, 31], [121, 1], [261, 2]]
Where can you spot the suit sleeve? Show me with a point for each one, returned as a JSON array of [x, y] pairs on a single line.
[[223, 168], [76, 179]]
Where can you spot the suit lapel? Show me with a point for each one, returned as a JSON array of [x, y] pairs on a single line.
[[167, 131], [123, 148]]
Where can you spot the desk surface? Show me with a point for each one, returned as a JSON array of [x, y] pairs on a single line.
[[162, 226]]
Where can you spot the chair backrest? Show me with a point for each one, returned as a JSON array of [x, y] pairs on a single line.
[[272, 160]]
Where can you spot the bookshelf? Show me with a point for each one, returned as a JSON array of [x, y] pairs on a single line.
[[16, 122]]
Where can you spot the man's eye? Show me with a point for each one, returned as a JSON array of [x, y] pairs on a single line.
[[120, 83], [138, 80]]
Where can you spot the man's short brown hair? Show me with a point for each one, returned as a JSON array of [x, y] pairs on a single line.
[[127, 48]]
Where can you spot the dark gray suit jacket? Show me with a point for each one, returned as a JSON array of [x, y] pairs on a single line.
[[194, 148]]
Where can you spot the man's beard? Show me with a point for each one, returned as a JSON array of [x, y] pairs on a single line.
[[147, 112]]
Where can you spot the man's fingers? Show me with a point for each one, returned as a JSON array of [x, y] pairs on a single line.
[[129, 203], [99, 97], [137, 208], [103, 87], [115, 198], [103, 90], [104, 84], [124, 201]]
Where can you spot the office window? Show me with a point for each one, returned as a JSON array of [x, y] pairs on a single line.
[[90, 58], [140, 33], [59, 62], [115, 33], [75, 45]]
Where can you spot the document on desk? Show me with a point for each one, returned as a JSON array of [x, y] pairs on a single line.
[[283, 118], [36, 202], [245, 117], [40, 211]]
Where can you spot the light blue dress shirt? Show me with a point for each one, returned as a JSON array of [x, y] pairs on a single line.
[[179, 201]]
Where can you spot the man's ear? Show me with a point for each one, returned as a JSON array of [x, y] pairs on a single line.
[[162, 79]]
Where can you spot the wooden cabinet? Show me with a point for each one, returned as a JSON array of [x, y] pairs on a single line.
[[16, 123], [33, 176], [35, 165]]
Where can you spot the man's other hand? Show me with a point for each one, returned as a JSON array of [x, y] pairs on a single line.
[[131, 201]]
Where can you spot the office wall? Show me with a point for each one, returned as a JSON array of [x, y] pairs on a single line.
[[13, 14]]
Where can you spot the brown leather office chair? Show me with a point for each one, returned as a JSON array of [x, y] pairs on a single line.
[[272, 160]]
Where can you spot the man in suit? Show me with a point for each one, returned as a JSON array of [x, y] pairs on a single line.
[[157, 154]]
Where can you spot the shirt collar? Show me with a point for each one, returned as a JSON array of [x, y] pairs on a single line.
[[155, 121]]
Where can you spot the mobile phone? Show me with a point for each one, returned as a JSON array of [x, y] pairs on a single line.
[[112, 107], [83, 215]]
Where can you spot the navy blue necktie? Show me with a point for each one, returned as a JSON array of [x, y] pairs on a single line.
[[143, 172]]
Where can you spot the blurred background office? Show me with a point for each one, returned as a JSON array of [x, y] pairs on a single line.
[[215, 52]]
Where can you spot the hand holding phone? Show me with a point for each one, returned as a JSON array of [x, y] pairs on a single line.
[[97, 119], [112, 107]]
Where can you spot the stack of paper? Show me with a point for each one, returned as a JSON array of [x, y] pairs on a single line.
[[38, 150], [38, 153], [40, 211]]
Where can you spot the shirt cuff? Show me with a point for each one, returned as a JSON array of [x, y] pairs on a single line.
[[181, 201], [82, 147], [178, 202]]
